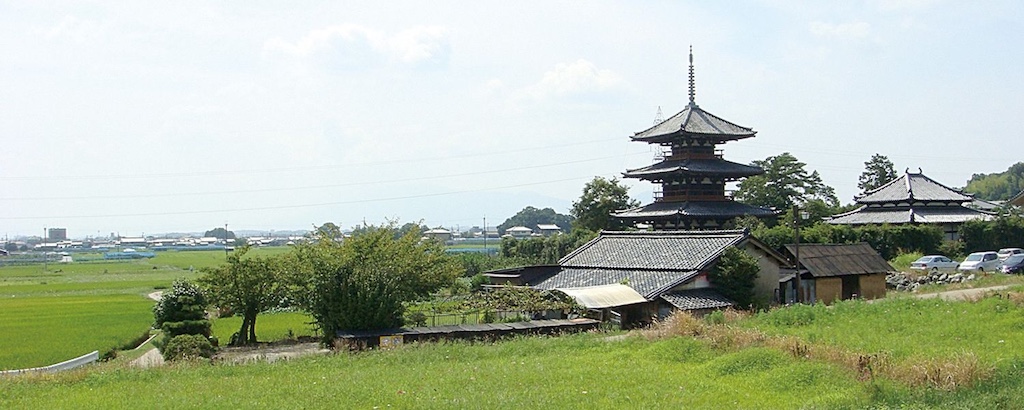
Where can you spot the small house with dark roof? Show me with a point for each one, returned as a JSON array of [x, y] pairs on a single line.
[[913, 198], [667, 269], [691, 173], [830, 272]]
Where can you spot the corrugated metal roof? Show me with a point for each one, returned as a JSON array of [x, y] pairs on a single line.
[[646, 282], [826, 260], [694, 299], [913, 187], [695, 166], [694, 121], [604, 296]]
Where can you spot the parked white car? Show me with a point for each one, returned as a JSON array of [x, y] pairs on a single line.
[[934, 263], [1007, 252], [980, 261]]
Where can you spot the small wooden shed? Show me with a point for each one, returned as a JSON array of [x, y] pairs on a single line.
[[830, 272]]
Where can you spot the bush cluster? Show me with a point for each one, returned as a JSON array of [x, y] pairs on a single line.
[[188, 347]]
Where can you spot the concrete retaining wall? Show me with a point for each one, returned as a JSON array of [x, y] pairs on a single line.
[[65, 365]]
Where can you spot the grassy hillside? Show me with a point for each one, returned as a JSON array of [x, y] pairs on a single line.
[[571, 372], [895, 353]]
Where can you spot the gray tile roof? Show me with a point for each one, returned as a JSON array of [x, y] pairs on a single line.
[[649, 262], [826, 260], [912, 187], [646, 282], [695, 166], [695, 299], [919, 214], [661, 250], [666, 209], [694, 121]]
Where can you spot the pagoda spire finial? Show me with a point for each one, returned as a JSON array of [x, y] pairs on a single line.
[[692, 89]]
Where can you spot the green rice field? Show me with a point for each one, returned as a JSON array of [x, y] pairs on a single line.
[[68, 310]]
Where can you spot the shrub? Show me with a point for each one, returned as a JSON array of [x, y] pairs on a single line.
[[734, 276], [188, 347]]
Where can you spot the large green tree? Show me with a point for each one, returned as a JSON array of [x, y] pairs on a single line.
[[364, 282], [997, 187], [530, 217], [248, 285], [878, 171], [600, 197], [785, 183]]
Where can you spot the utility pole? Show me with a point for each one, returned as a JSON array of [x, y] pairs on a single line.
[[225, 239], [43, 247], [485, 237]]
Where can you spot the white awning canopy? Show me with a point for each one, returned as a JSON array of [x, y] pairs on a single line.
[[604, 296]]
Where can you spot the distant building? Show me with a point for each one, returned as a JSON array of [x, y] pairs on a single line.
[[1017, 200], [913, 198], [519, 232], [438, 234], [548, 229], [57, 234]]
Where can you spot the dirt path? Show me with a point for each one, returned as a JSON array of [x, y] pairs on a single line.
[[269, 353], [156, 295], [152, 358], [961, 294]]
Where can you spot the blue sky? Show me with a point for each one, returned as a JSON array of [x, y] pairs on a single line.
[[146, 118]]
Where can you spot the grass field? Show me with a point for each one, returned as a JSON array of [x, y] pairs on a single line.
[[48, 316], [714, 370], [571, 372]]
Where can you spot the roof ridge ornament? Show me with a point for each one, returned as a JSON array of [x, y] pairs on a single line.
[[692, 88]]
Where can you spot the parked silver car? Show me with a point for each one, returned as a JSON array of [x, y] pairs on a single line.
[[980, 261], [934, 263]]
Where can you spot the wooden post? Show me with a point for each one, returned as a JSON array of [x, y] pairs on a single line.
[[796, 250]]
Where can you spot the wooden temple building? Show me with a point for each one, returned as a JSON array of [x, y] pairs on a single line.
[[692, 173], [913, 198]]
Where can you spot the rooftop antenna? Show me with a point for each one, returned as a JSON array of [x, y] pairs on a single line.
[[692, 88]]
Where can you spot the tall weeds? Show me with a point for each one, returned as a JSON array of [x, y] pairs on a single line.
[[947, 373]]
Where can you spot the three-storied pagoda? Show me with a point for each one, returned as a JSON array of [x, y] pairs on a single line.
[[692, 172]]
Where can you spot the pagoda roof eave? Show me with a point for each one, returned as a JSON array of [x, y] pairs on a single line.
[[702, 167], [693, 209], [694, 122]]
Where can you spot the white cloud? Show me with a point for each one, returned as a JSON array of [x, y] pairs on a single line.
[[578, 77], [74, 29], [357, 44], [848, 31], [892, 5]]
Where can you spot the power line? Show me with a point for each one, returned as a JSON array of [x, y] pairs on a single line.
[[349, 184], [266, 208], [294, 169]]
